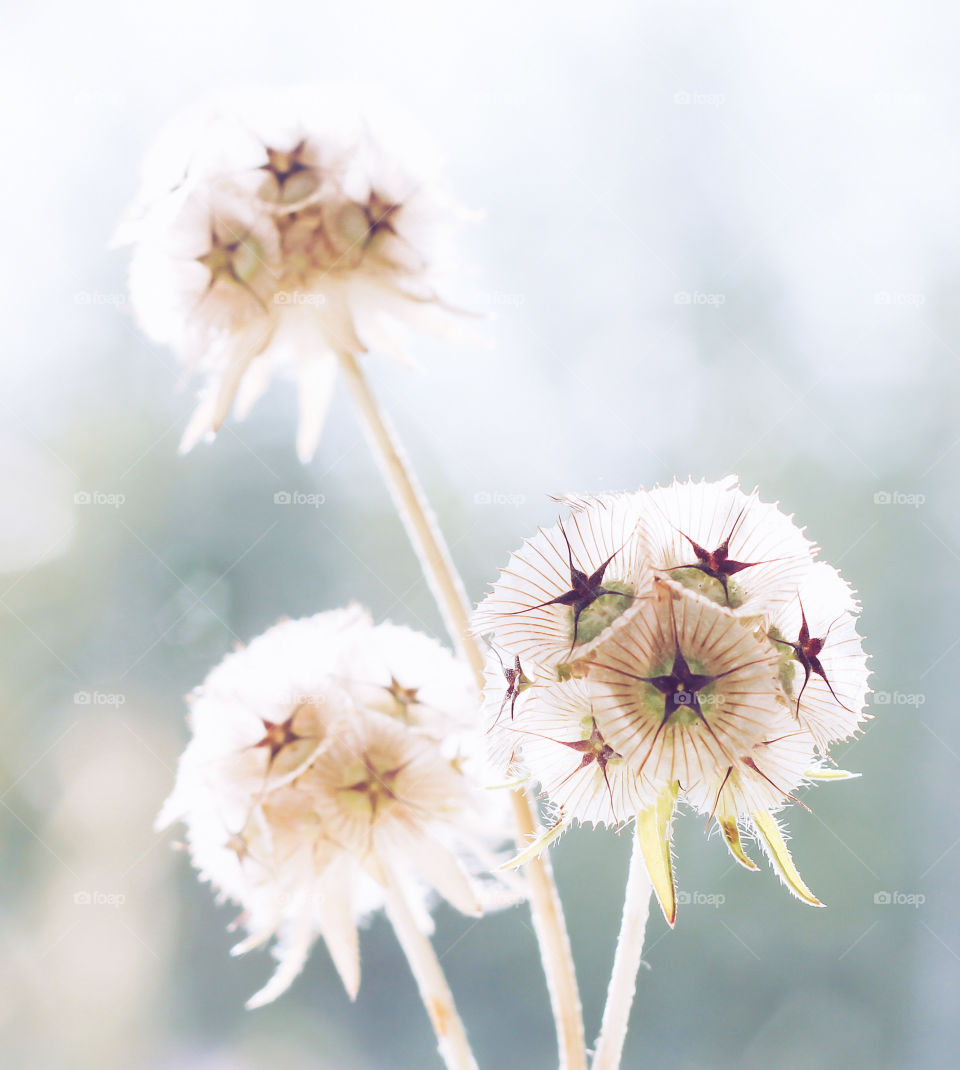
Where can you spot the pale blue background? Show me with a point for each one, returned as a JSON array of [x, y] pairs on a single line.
[[796, 177]]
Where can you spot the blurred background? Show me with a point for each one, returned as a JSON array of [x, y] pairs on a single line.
[[715, 239]]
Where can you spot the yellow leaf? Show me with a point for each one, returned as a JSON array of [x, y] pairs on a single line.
[[539, 845], [830, 774], [653, 833], [780, 857], [731, 833]]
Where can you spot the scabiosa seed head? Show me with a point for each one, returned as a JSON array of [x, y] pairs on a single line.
[[569, 754], [824, 667], [677, 645], [688, 685], [329, 757], [724, 544], [563, 589], [507, 689], [279, 230]]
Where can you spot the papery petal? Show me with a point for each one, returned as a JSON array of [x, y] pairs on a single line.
[[831, 709], [779, 556], [521, 611], [735, 709]]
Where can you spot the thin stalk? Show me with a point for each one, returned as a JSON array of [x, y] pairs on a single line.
[[417, 516], [434, 990], [450, 596], [626, 965]]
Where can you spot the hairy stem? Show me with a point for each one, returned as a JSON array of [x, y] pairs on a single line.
[[450, 596], [626, 965], [434, 990], [417, 516]]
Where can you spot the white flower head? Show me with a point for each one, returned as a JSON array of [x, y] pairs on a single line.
[[312, 780], [762, 778], [560, 592], [410, 677], [688, 687], [679, 644], [280, 230], [825, 667], [507, 690], [727, 545], [566, 751]]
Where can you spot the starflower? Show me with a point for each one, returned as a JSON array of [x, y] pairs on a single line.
[[278, 232], [332, 764], [824, 666], [560, 592], [678, 644]]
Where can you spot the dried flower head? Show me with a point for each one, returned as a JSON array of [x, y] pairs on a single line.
[[560, 592], [278, 231], [824, 665], [331, 759], [675, 644], [568, 752], [723, 543], [688, 686]]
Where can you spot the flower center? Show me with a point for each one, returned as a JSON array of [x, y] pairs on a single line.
[[370, 790], [238, 259], [602, 611]]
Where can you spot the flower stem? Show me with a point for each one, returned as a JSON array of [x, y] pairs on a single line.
[[434, 990], [449, 593], [626, 965], [417, 516]]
